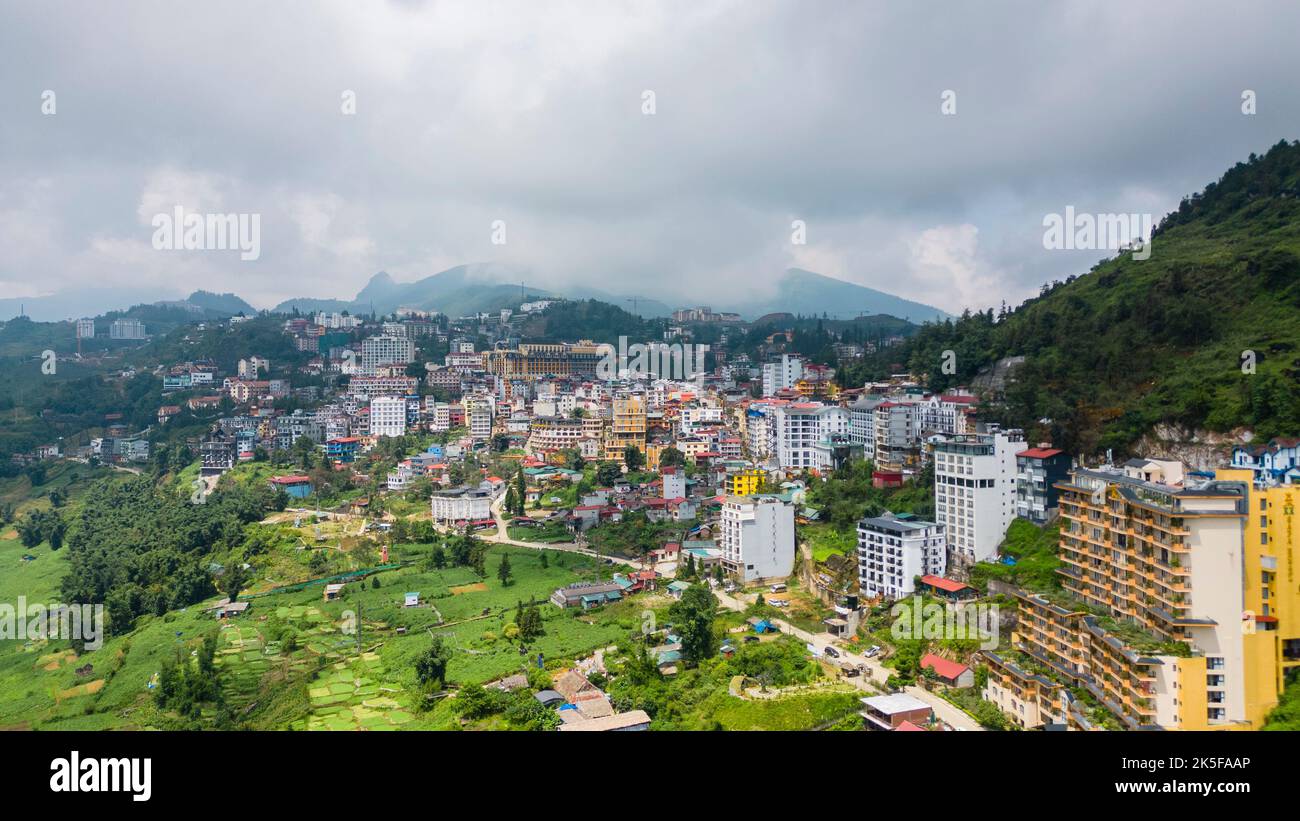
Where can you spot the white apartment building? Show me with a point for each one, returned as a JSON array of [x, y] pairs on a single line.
[[692, 418], [894, 550], [781, 375], [757, 537], [760, 431], [947, 413], [388, 416], [250, 368], [386, 350], [674, 480], [862, 424], [126, 329], [336, 320], [479, 409], [461, 504], [798, 427], [975, 492]]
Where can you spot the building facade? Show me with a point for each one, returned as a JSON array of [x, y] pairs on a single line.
[[894, 550], [975, 492], [757, 537]]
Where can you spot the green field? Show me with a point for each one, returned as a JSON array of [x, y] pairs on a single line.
[[328, 679]]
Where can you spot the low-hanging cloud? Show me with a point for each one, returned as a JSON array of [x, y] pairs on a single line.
[[534, 115]]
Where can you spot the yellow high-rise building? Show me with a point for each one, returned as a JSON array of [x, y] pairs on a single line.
[[1182, 610], [627, 426]]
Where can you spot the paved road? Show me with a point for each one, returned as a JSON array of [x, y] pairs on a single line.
[[501, 536], [943, 709]]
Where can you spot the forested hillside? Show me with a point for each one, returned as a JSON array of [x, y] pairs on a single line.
[[1133, 343]]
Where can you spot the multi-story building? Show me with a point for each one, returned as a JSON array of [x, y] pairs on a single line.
[[760, 430], [126, 329], [862, 423], [894, 550], [251, 367], [1030, 699], [1038, 472], [975, 492], [479, 411], [530, 361], [1178, 613], [85, 329], [800, 426], [898, 433], [377, 351], [745, 482], [388, 416], [757, 537], [782, 375], [1277, 462], [371, 386], [674, 483], [947, 414], [692, 419], [461, 505], [627, 427], [550, 434]]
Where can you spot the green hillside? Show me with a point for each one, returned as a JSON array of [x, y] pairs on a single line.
[[1134, 343]]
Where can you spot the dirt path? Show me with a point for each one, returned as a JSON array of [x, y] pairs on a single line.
[[942, 708]]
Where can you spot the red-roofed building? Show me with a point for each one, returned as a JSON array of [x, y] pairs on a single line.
[[948, 588], [1038, 470], [952, 673]]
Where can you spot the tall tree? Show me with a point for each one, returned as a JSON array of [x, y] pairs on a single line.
[[692, 617]]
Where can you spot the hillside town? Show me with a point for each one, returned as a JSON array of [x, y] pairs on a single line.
[[722, 477]]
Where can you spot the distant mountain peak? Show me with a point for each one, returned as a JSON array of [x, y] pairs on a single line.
[[808, 293]]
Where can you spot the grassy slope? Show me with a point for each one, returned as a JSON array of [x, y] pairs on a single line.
[[1133, 343]]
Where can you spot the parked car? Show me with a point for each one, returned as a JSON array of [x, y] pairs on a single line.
[[832, 652], [872, 651]]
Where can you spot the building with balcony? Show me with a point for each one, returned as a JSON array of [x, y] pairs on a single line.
[[1038, 471], [388, 416], [1175, 614], [627, 427], [757, 537], [975, 492], [461, 505], [894, 550]]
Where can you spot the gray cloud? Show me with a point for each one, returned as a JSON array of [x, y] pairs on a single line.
[[766, 112]]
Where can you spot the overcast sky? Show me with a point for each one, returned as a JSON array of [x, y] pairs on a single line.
[[532, 113]]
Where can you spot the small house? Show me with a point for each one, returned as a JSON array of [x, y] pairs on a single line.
[[952, 673], [411, 600], [333, 591], [889, 712]]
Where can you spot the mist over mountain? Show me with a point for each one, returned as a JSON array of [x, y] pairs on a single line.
[[471, 288], [476, 287]]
